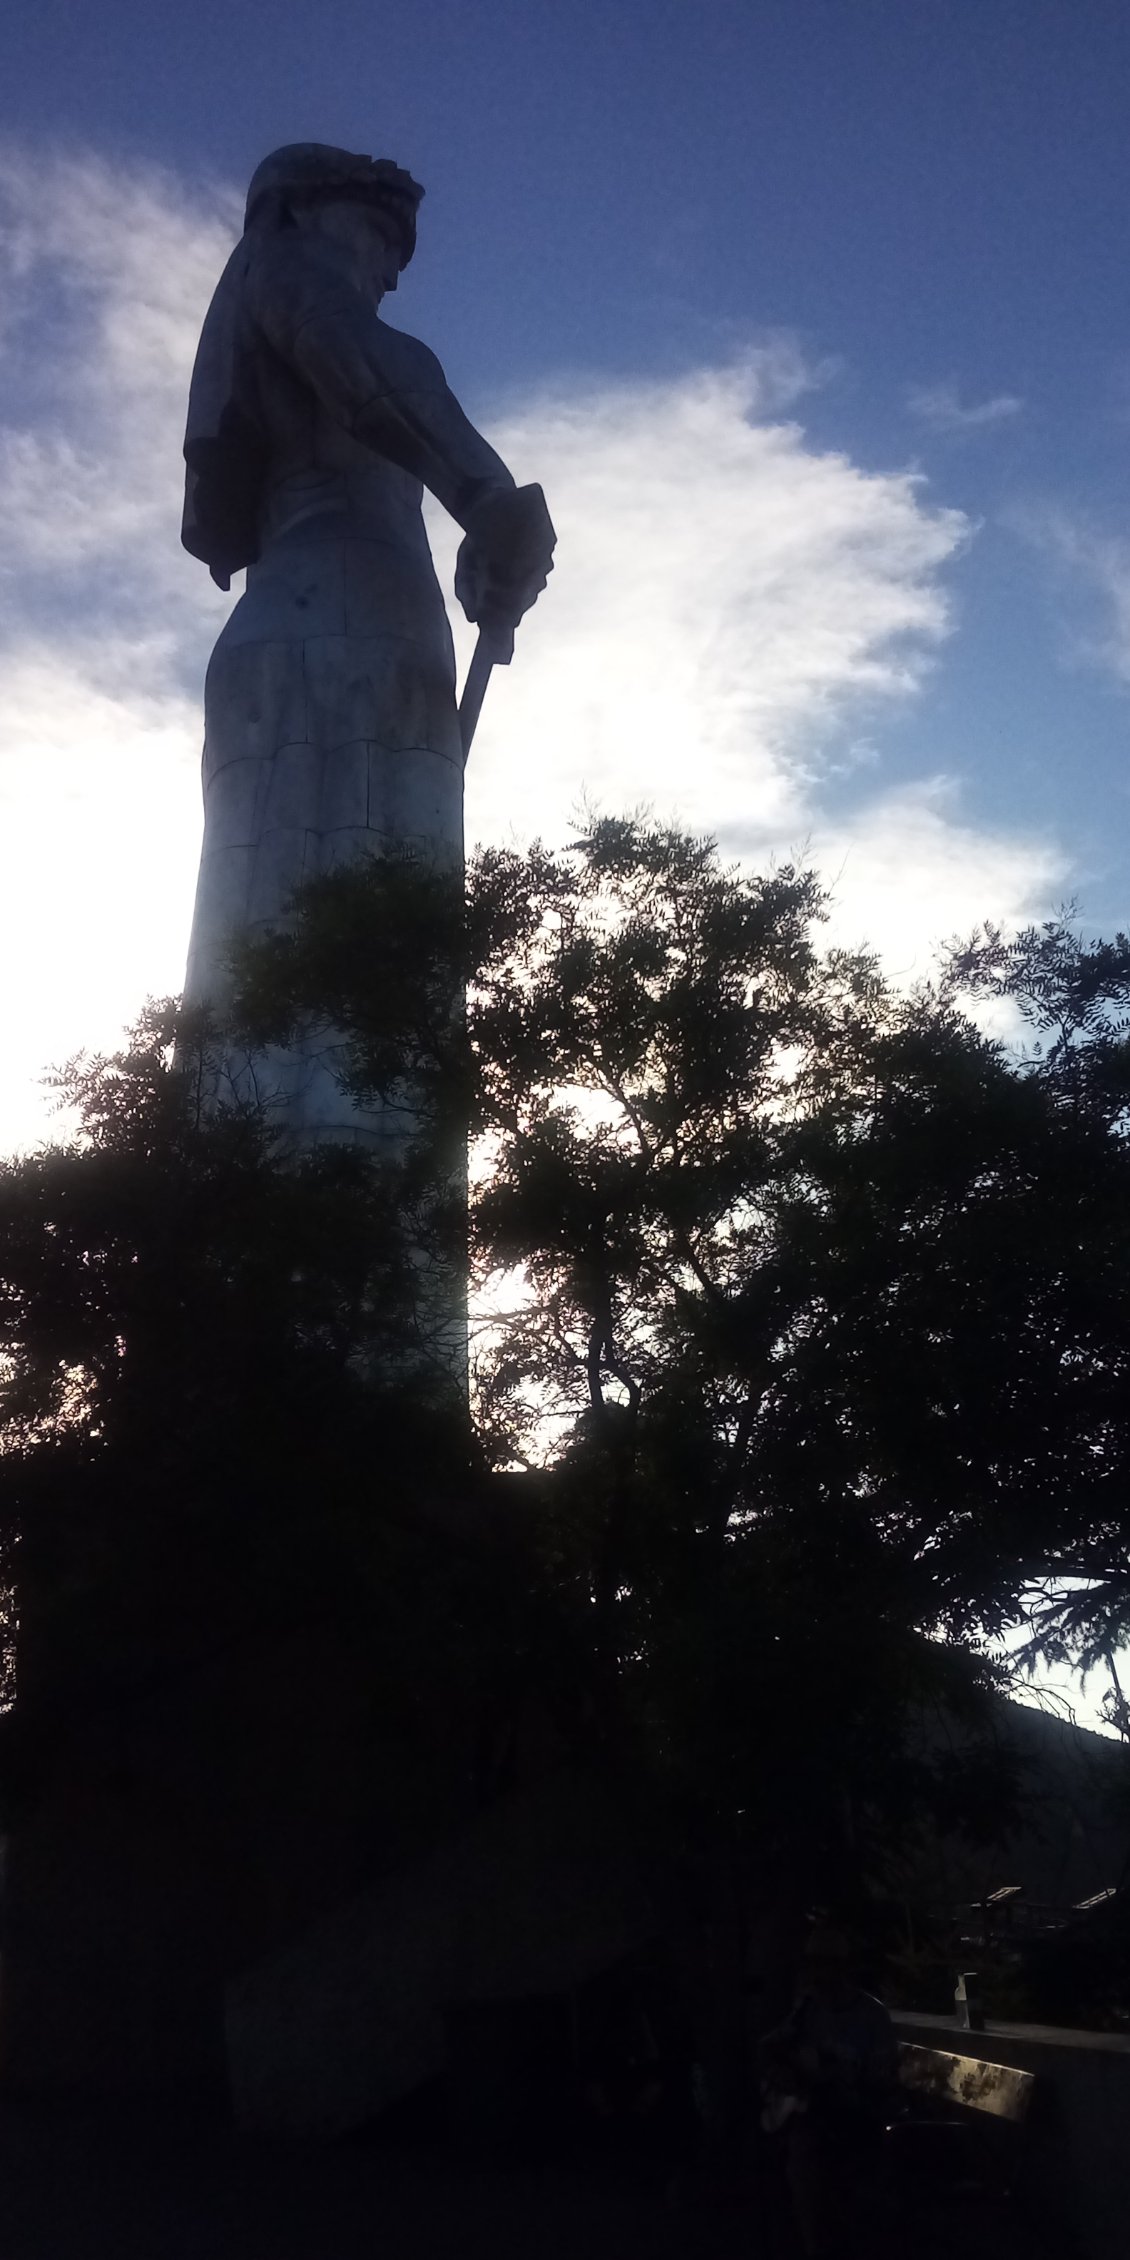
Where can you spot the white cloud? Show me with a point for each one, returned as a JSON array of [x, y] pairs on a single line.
[[941, 407], [909, 873], [725, 598], [731, 614], [105, 274], [727, 604], [99, 832]]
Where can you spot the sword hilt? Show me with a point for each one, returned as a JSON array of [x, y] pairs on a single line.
[[519, 539]]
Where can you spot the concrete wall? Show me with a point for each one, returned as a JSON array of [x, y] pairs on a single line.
[[175, 1840], [1080, 2141], [545, 1890]]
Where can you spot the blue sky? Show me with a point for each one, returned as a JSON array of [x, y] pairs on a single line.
[[810, 314], [927, 200], [904, 220]]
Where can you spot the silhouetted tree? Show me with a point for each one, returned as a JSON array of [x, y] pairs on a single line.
[[202, 1444], [1072, 999], [811, 1301], [801, 1333]]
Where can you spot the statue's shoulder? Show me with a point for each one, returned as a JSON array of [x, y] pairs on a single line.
[[296, 283]]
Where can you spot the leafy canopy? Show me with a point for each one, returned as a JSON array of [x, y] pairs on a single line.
[[799, 1308]]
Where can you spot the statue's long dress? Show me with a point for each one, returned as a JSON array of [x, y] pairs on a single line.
[[330, 720]]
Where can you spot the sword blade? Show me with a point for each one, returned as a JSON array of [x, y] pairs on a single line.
[[491, 650], [474, 692]]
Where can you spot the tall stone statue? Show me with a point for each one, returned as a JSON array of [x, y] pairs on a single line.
[[313, 428]]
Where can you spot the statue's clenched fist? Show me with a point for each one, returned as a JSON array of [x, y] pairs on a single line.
[[506, 556]]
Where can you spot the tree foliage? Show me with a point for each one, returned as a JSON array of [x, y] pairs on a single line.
[[811, 1296], [1072, 998], [201, 1436], [800, 1320]]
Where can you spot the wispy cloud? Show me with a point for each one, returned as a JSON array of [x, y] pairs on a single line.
[[909, 871], [732, 612], [729, 605], [726, 599], [105, 274], [1092, 571], [942, 408]]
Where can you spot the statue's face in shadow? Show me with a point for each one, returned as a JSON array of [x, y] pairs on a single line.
[[364, 233]]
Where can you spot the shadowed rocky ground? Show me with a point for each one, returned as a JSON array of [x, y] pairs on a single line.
[[151, 2189], [75, 2189]]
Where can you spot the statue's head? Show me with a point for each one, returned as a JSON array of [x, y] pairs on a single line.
[[308, 174]]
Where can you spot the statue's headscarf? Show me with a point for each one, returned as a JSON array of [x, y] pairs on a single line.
[[224, 445]]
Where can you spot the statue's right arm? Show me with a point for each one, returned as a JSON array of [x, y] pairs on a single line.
[[387, 389]]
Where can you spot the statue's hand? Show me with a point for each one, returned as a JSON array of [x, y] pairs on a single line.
[[505, 557]]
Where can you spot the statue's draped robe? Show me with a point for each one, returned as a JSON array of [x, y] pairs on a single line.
[[330, 720]]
